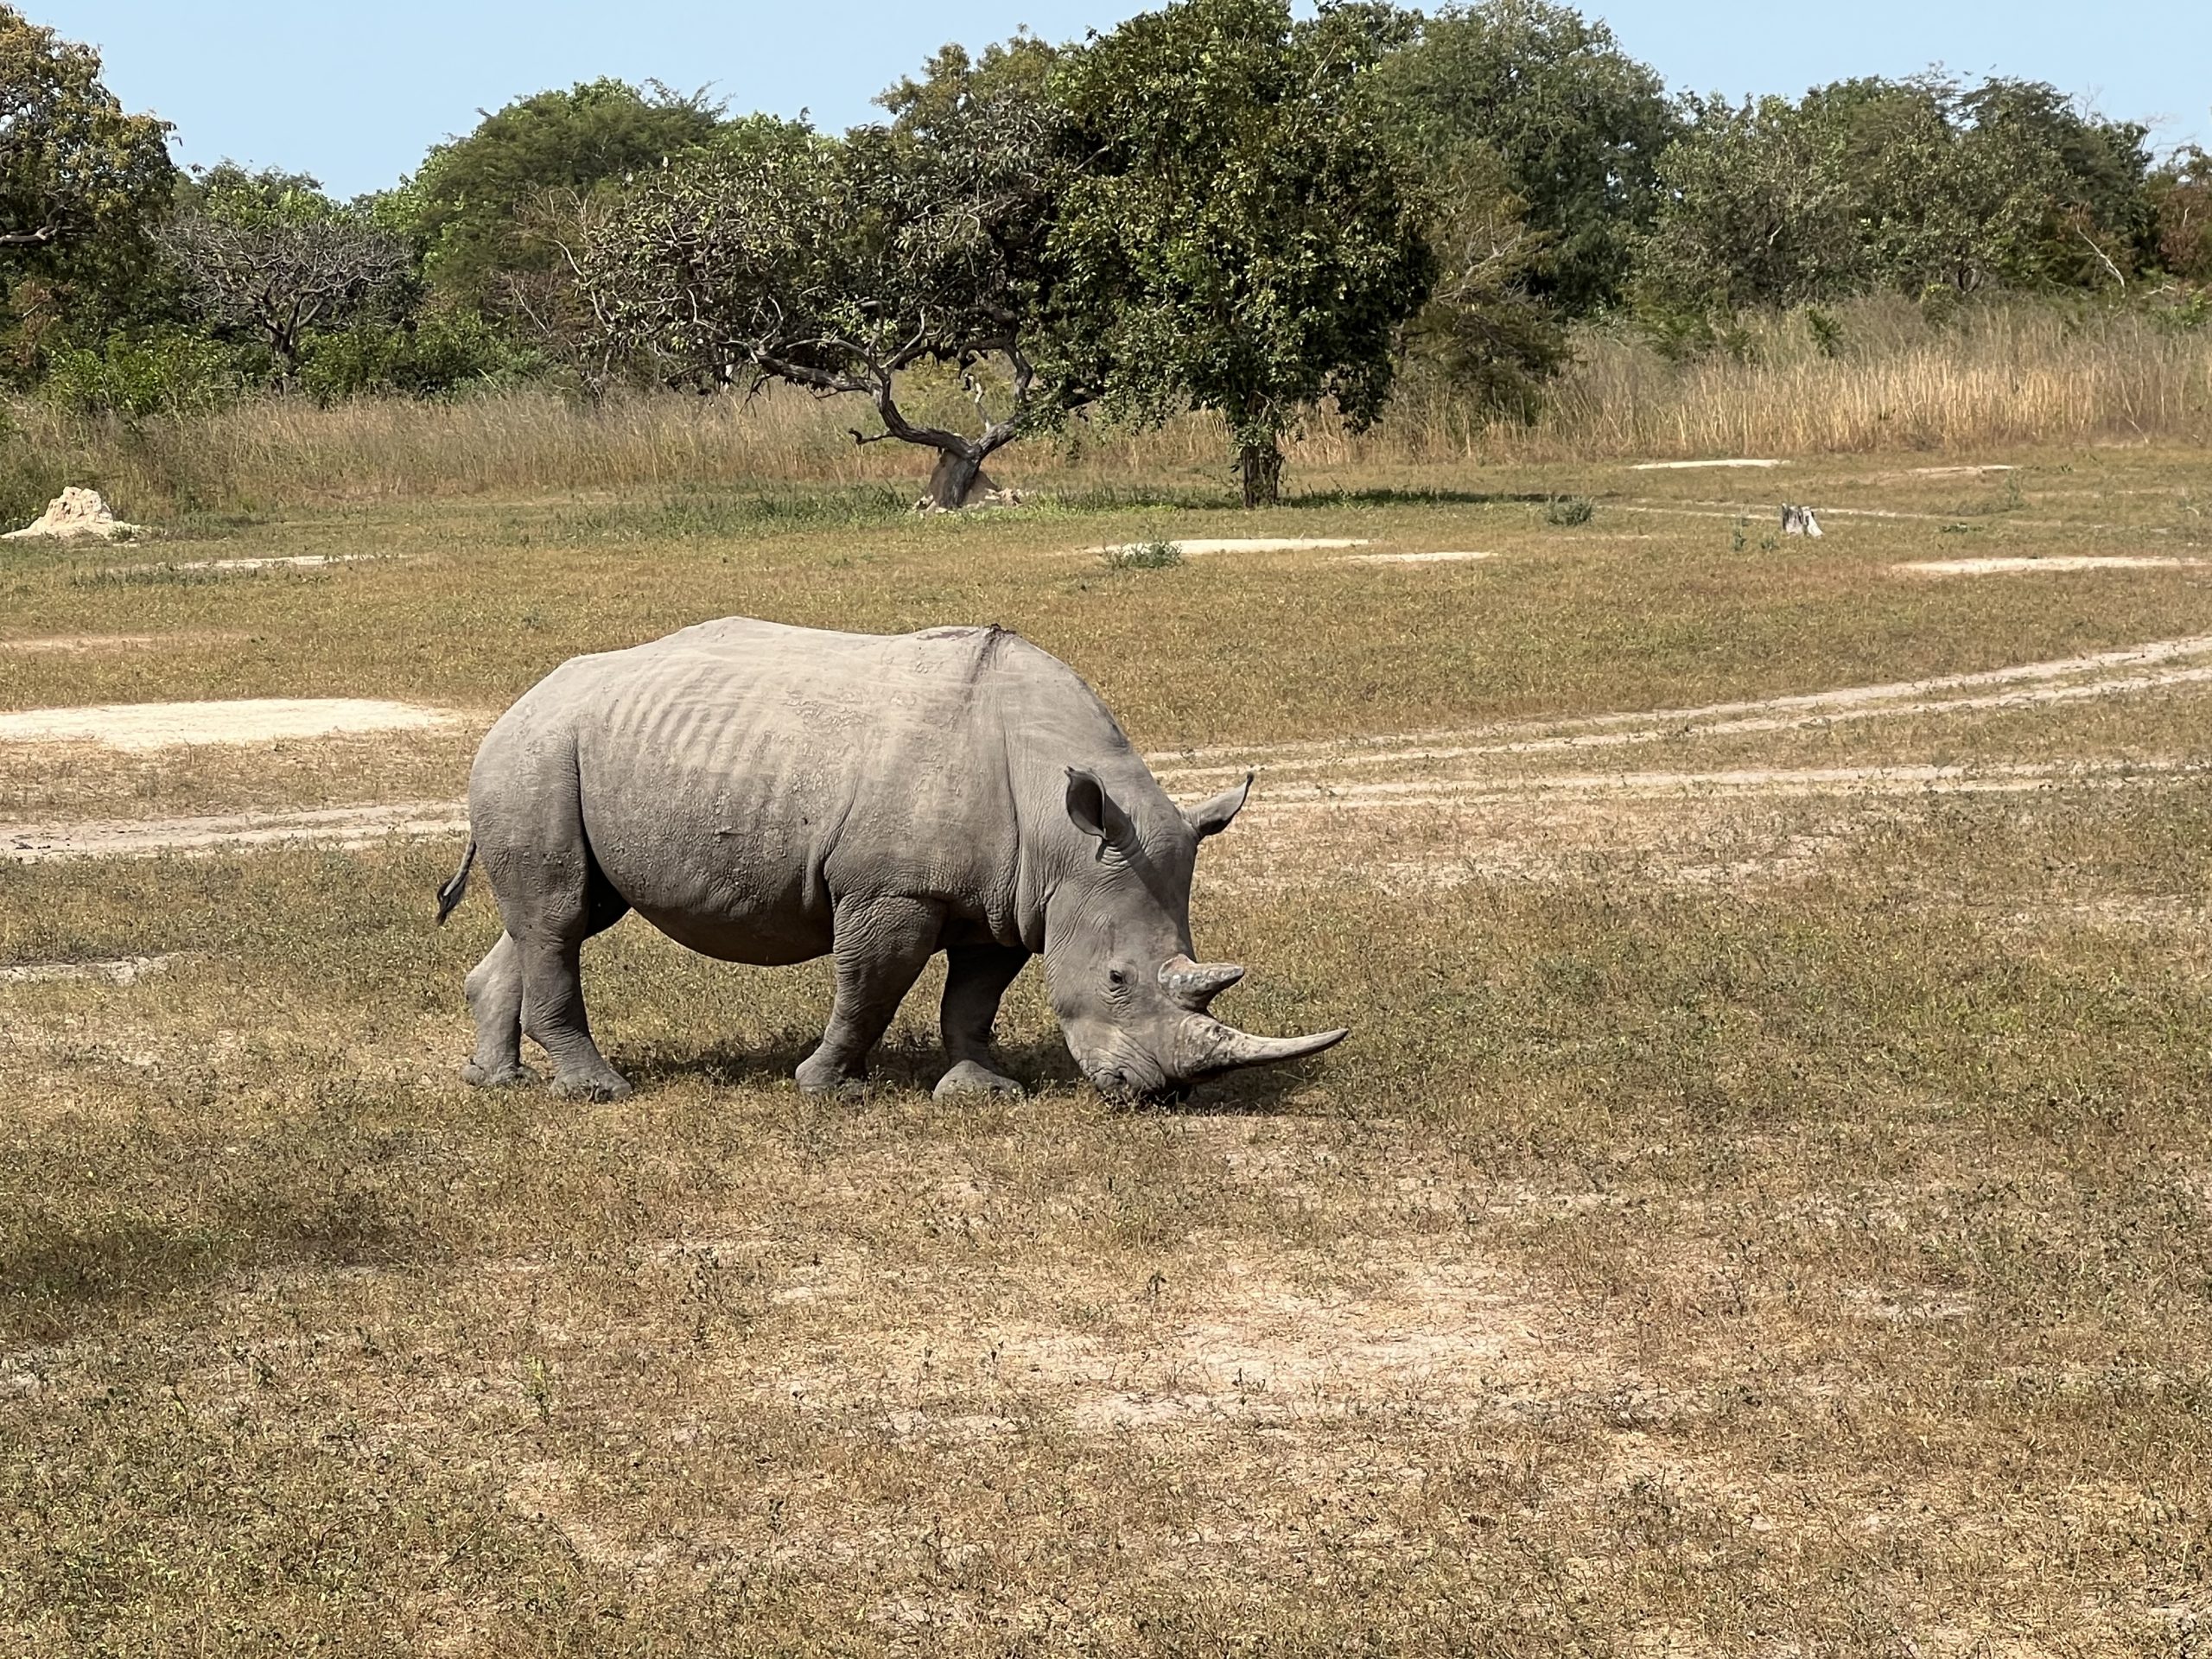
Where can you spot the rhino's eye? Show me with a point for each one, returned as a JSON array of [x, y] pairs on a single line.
[[1115, 977]]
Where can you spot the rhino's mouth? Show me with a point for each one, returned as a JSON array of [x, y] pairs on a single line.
[[1121, 1089]]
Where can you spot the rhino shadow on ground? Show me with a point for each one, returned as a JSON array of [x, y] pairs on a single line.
[[1043, 1064]]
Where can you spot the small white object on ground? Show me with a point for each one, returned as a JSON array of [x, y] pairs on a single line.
[[72, 514], [1191, 548], [126, 970], [2061, 562], [1412, 558], [1691, 465], [1963, 472], [249, 720], [1799, 521]]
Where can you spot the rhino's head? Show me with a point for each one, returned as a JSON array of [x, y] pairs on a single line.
[[1117, 950]]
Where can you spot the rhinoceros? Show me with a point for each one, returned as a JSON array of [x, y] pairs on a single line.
[[768, 794]]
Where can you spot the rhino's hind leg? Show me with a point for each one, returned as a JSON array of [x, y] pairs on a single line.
[[494, 991], [880, 946], [553, 1017], [976, 977]]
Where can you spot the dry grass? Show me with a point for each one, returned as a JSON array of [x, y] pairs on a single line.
[[1764, 1207], [2002, 375]]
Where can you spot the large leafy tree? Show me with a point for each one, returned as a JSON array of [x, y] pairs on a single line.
[[494, 209], [82, 183], [1243, 235], [1576, 125], [846, 265]]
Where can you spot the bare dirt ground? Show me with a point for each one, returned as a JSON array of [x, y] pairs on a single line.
[[2018, 566], [255, 720]]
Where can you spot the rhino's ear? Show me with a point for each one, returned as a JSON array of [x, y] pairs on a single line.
[[1210, 818], [1091, 809]]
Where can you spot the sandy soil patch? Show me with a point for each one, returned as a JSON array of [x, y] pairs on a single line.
[[2064, 561], [73, 644], [297, 562], [335, 826], [1698, 466], [124, 970], [247, 719], [1414, 558], [1195, 547], [1258, 1344]]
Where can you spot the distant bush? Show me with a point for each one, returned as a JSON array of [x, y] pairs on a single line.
[[164, 372], [439, 352]]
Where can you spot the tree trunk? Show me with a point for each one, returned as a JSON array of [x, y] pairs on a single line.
[[1261, 462], [956, 479]]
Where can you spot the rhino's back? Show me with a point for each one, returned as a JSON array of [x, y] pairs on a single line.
[[738, 777]]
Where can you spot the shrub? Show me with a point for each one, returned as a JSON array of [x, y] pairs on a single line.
[[1158, 554], [164, 372], [437, 352]]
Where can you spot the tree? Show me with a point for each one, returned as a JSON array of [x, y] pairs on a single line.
[[2180, 196], [1920, 186], [841, 265], [82, 184], [267, 257], [1577, 124], [1243, 234], [1484, 326], [492, 210], [1758, 212]]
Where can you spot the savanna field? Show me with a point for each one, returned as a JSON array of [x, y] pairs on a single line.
[[1765, 1206]]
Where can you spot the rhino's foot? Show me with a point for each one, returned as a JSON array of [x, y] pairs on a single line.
[[594, 1085], [969, 1077], [506, 1077], [819, 1076]]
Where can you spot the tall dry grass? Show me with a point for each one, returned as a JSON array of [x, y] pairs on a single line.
[[1890, 378], [2020, 374]]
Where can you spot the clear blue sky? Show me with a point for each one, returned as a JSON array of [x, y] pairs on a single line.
[[355, 92]]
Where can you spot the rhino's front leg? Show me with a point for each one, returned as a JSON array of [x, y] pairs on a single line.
[[880, 947], [976, 976]]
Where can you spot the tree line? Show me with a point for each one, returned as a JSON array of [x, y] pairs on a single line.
[[1217, 205]]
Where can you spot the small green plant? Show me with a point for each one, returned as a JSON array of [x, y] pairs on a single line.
[[1158, 554], [1826, 330], [1737, 536], [1569, 510]]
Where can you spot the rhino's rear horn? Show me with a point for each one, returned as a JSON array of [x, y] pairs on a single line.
[[1195, 984]]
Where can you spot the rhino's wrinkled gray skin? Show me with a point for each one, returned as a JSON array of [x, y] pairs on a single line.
[[767, 794]]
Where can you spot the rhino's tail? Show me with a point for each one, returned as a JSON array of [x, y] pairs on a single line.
[[450, 895]]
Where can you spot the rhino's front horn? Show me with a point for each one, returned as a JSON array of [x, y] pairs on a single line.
[[1216, 1047], [1195, 984]]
